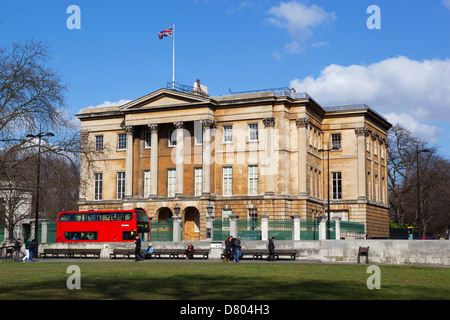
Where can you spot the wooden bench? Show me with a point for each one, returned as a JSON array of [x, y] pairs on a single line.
[[257, 254], [176, 253], [72, 253], [54, 253], [125, 253]]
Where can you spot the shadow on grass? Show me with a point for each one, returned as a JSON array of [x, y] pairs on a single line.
[[210, 288]]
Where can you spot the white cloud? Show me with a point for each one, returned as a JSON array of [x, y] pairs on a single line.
[[426, 132], [446, 3], [106, 104], [298, 20], [408, 90]]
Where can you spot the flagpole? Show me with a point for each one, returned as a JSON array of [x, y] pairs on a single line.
[[173, 57]]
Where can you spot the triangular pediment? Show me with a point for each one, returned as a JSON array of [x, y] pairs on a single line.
[[164, 98]]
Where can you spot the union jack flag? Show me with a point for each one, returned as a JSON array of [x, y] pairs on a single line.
[[165, 33]]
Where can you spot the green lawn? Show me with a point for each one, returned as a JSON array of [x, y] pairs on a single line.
[[200, 281]]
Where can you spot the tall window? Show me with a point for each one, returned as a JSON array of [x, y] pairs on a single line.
[[98, 186], [146, 183], [337, 185], [172, 182], [120, 185], [198, 181], [148, 139], [227, 181], [336, 141], [122, 141], [227, 134], [172, 138], [253, 132], [252, 180], [99, 143], [198, 134], [252, 221]]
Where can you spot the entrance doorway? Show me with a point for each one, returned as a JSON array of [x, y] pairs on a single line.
[[191, 225], [164, 213]]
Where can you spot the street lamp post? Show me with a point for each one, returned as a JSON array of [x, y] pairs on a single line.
[[36, 218], [418, 185], [328, 184]]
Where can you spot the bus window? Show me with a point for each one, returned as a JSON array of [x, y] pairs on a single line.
[[128, 216], [142, 222], [118, 216], [64, 217], [83, 236], [105, 217], [76, 217], [91, 217]]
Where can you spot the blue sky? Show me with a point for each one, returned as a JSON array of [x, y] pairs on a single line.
[[322, 47]]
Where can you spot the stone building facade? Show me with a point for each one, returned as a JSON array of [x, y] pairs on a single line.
[[252, 154]]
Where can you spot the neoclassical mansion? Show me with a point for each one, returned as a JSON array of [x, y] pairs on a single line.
[[275, 153]]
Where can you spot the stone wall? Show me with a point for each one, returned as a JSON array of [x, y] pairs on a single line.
[[396, 252]]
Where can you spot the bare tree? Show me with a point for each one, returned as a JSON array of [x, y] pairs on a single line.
[[434, 173], [32, 97], [32, 101]]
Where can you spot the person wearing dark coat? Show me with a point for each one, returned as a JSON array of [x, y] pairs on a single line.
[[17, 247], [271, 248], [228, 249], [137, 249]]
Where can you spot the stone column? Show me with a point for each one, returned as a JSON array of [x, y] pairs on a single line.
[[269, 124], [295, 227], [265, 227], [179, 158], [206, 158], [361, 134], [302, 125], [233, 225], [129, 163], [154, 160], [176, 228], [337, 224], [322, 220]]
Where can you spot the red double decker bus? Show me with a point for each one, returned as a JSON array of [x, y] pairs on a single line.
[[102, 226]]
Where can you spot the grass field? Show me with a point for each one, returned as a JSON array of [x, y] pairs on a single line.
[[194, 280]]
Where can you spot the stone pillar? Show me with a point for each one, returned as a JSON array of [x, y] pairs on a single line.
[[302, 125], [43, 233], [179, 158], [129, 163], [269, 124], [322, 220], [295, 227], [154, 160], [337, 224], [206, 159], [176, 228], [233, 225], [265, 227], [209, 227], [361, 134]]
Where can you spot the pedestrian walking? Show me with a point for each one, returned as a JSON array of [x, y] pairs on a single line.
[[17, 247], [271, 248], [228, 250], [27, 251], [137, 249], [31, 249], [237, 248]]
